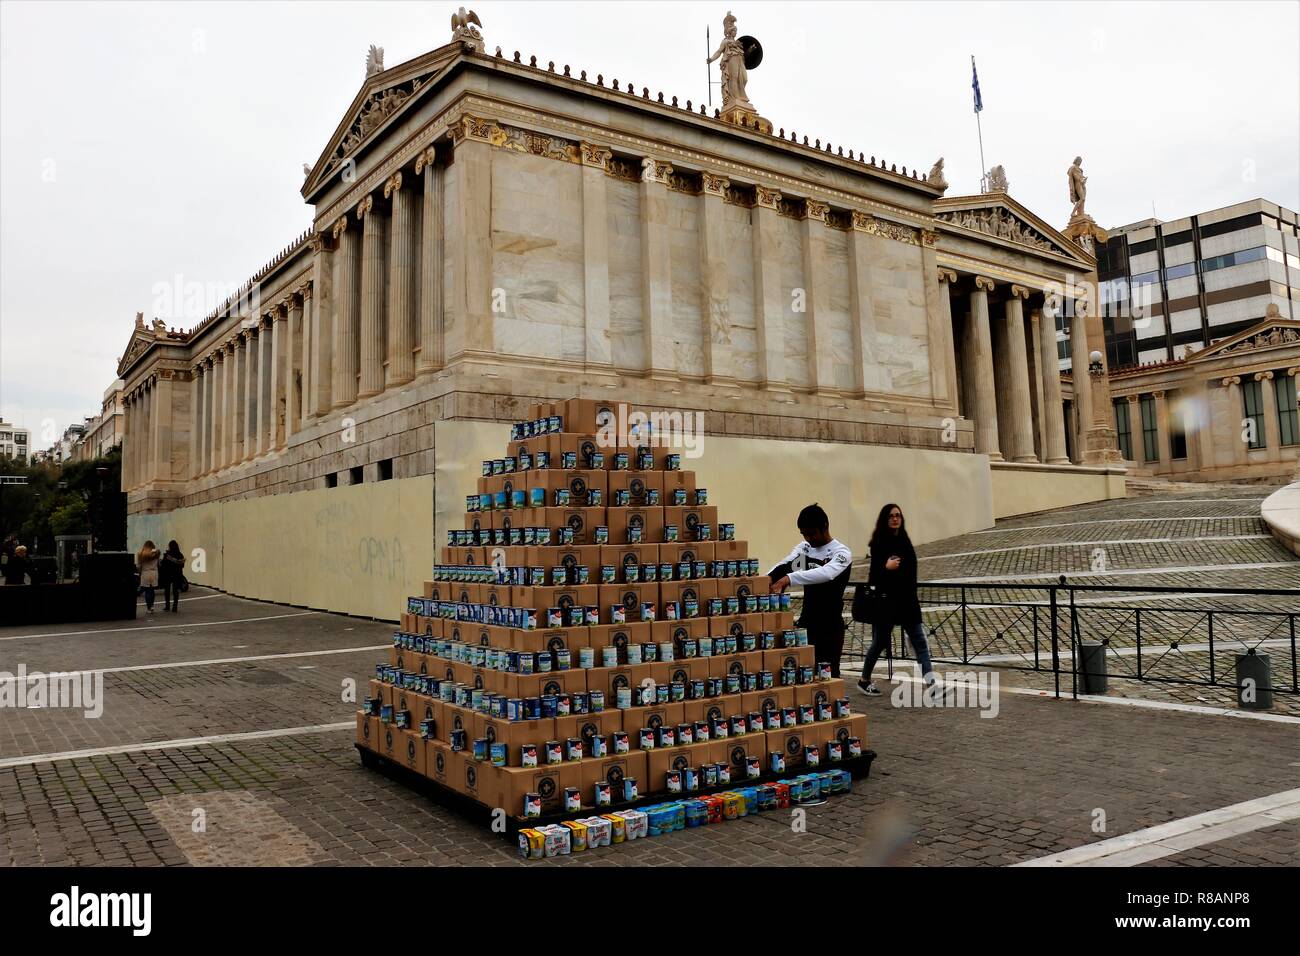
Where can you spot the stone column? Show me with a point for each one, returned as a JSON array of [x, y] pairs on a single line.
[[146, 460], [1135, 437], [1162, 430], [431, 262], [345, 354], [656, 271], [938, 312], [237, 395], [983, 387], [862, 314], [1080, 377], [249, 394], [1053, 409], [769, 303], [1020, 430], [128, 441], [715, 285], [266, 381], [163, 406], [401, 284], [205, 436], [1237, 420], [219, 411], [821, 354], [196, 420], [468, 328], [288, 332], [372, 299], [1272, 428]]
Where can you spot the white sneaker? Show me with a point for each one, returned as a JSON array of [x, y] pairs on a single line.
[[871, 690]]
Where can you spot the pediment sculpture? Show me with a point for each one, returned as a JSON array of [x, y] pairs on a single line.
[[999, 223]]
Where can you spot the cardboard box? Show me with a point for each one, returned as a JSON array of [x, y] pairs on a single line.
[[427, 708], [479, 780], [655, 717], [736, 624], [636, 483], [572, 681], [613, 770], [457, 718], [592, 416], [622, 555], [730, 550], [368, 730], [678, 631], [795, 657], [631, 596], [841, 730], [474, 557], [411, 751], [513, 734], [620, 636], [587, 726], [407, 700], [709, 708], [689, 518], [778, 621], [660, 452], [819, 691], [457, 672], [544, 598], [649, 520], [430, 626], [478, 521], [517, 518], [550, 639], [774, 697], [739, 749], [661, 760], [692, 551], [577, 482], [701, 589], [388, 741], [742, 586], [437, 761], [747, 662], [569, 556], [679, 479], [617, 677], [383, 691], [582, 520], [685, 670], [791, 742], [513, 783]]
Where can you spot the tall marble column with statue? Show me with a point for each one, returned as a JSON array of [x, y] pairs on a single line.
[[739, 55]]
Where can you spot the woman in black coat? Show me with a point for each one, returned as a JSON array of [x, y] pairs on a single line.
[[171, 570], [893, 575]]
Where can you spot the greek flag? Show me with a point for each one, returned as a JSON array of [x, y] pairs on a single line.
[[975, 85]]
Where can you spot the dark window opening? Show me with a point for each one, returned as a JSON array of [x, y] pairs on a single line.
[[1150, 431], [386, 469], [357, 474], [1252, 396], [332, 480]]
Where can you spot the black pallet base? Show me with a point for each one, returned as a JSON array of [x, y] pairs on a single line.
[[858, 767]]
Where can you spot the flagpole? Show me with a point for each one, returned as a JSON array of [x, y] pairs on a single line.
[[708, 67], [980, 130]]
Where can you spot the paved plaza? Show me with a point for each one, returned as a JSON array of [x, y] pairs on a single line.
[[232, 714]]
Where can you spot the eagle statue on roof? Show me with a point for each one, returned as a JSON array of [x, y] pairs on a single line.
[[463, 24]]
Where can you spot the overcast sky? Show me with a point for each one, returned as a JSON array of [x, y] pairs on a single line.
[[146, 145]]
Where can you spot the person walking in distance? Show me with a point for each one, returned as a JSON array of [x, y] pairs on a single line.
[[171, 568], [147, 558], [893, 576], [821, 565]]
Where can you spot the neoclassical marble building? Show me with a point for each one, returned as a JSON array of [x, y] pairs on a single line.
[[491, 230]]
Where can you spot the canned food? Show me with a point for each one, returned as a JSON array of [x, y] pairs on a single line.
[[753, 768], [710, 774], [597, 701], [573, 748], [812, 756], [855, 747], [500, 753], [633, 654], [806, 714], [480, 748], [755, 721], [823, 670], [563, 660], [601, 534], [824, 710], [834, 751], [649, 572], [598, 746], [674, 779], [700, 731], [586, 657], [621, 744], [458, 739], [572, 799], [544, 662], [724, 774], [647, 610], [633, 535], [690, 779], [550, 707], [623, 698], [532, 805], [617, 615], [665, 737], [629, 789], [685, 734], [776, 761], [677, 692], [670, 610], [772, 719], [737, 726], [602, 793], [649, 652], [647, 738], [662, 693], [528, 755], [670, 534]]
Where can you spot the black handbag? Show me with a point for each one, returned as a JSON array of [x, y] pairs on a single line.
[[868, 604]]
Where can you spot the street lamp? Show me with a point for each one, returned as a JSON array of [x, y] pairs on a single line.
[[1094, 362]]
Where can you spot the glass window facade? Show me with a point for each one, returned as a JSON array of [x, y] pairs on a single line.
[[1285, 390], [1123, 429]]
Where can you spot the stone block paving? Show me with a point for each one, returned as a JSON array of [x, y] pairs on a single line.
[[948, 786]]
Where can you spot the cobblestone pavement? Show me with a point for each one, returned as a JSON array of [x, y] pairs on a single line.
[[947, 787]]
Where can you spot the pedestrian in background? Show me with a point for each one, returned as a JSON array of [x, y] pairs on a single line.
[[893, 577], [821, 566], [147, 559], [171, 570], [17, 566]]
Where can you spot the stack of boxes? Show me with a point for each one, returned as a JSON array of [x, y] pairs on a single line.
[[594, 635]]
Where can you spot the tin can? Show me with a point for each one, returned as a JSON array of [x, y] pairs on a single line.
[[841, 708], [528, 755], [670, 610], [649, 572], [697, 689], [755, 721], [515, 709], [629, 789], [709, 773], [544, 662], [542, 459], [602, 793], [823, 670], [621, 742], [572, 799], [621, 497], [749, 681], [670, 534], [532, 708], [595, 497], [764, 680], [647, 738], [568, 460], [573, 748], [772, 719], [689, 648], [789, 676], [679, 497], [480, 748], [690, 779], [834, 751], [703, 532], [586, 657], [776, 761], [812, 756], [564, 535], [855, 747], [685, 734], [649, 652], [806, 674], [677, 692], [580, 703], [617, 615], [824, 710], [662, 693], [733, 683], [717, 728], [674, 780], [609, 656], [563, 660], [621, 461], [673, 463], [647, 610], [700, 729], [550, 707], [584, 574], [665, 571], [807, 713], [598, 746], [623, 698], [532, 805], [499, 753], [665, 737], [737, 726], [458, 739], [753, 768], [713, 687], [701, 497], [554, 752], [597, 701], [789, 717], [554, 617], [633, 652], [600, 534]]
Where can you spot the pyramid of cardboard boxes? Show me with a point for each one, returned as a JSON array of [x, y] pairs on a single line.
[[594, 636]]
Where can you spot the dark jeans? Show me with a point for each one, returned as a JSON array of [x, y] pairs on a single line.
[[172, 594], [880, 634], [148, 596], [828, 642]]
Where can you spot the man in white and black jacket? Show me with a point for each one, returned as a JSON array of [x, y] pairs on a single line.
[[821, 565]]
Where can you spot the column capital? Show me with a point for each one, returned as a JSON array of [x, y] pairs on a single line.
[[282, 314], [393, 185], [340, 226], [862, 221], [1263, 376], [365, 206], [316, 243], [1293, 370], [1158, 393], [305, 290], [946, 275], [1231, 380], [816, 210], [593, 154], [218, 356], [984, 284], [767, 198], [929, 238], [425, 158], [252, 331], [714, 184], [1133, 399], [655, 171], [1019, 292]]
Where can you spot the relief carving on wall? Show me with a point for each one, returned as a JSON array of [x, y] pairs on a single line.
[[539, 144], [1265, 339], [999, 223], [374, 111]]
